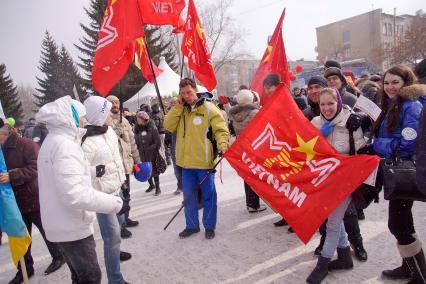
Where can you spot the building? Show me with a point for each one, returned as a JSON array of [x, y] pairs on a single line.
[[234, 74], [361, 38]]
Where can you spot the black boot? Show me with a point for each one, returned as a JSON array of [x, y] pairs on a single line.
[[343, 261], [401, 272], [414, 257], [151, 185], [359, 250], [157, 186], [320, 246], [280, 223], [55, 265], [18, 279], [320, 271]]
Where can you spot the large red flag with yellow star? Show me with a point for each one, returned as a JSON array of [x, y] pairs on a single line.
[[274, 60], [291, 166]]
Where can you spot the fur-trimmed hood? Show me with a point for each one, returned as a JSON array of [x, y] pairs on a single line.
[[412, 92]]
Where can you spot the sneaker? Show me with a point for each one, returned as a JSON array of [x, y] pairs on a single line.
[[280, 223], [178, 191], [254, 210], [188, 232], [131, 223], [125, 234], [124, 256], [209, 234]]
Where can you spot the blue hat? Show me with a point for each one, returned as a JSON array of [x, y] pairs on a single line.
[[143, 171]]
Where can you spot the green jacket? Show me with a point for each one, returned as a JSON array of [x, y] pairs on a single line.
[[193, 149]]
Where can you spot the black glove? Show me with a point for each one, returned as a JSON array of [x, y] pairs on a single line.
[[367, 149], [354, 122], [125, 208], [100, 170]]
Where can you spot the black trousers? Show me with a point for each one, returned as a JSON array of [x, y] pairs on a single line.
[[29, 220], [125, 189], [82, 261], [400, 221], [252, 199]]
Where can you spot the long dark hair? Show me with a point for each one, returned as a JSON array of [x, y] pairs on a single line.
[[392, 108]]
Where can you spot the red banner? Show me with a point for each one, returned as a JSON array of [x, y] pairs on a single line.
[[290, 165], [115, 51], [161, 12], [274, 60], [142, 61], [194, 47]]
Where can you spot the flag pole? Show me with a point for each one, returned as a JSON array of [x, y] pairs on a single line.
[[181, 68], [24, 270]]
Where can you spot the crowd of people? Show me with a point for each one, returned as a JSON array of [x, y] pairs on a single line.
[[74, 160]]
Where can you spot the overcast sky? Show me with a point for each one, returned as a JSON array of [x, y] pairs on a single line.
[[23, 24]]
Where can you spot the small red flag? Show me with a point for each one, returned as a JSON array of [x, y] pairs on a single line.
[[180, 28], [195, 48], [274, 60], [290, 165], [142, 61], [115, 51], [161, 12]]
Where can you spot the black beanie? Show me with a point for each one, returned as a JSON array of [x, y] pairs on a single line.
[[332, 63], [319, 80], [421, 69], [336, 72]]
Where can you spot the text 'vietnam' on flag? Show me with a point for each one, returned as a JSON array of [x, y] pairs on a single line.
[[274, 60], [115, 51], [142, 61], [161, 12], [290, 165], [11, 221], [195, 48]]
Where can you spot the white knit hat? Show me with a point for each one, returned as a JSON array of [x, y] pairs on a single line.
[[244, 97], [97, 110]]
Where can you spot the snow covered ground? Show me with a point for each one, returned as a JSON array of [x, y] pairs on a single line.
[[247, 247]]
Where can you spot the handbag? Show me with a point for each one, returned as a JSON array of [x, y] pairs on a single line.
[[399, 178]]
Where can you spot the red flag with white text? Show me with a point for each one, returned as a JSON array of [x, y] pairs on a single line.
[[291, 166], [195, 48], [161, 12], [274, 60], [142, 61], [115, 51]]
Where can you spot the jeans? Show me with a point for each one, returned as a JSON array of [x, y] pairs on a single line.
[[82, 260], [336, 234], [400, 221], [110, 230], [190, 179], [252, 199], [29, 220]]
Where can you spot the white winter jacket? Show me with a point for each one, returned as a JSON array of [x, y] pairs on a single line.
[[104, 150], [67, 197]]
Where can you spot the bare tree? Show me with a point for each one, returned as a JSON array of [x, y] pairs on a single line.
[[26, 95]]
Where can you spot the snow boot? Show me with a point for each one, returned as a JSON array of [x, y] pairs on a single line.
[[157, 186], [151, 185], [415, 259], [320, 271], [343, 261], [401, 272]]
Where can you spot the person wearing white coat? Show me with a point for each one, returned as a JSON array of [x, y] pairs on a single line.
[[100, 146], [67, 198]]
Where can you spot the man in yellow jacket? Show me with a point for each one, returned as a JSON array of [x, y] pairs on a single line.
[[198, 124]]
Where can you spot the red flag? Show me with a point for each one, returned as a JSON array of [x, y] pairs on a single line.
[[180, 28], [142, 61], [194, 47], [161, 12], [274, 60], [290, 165], [121, 25]]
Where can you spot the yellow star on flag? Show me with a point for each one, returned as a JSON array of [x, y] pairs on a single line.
[[307, 147], [269, 54]]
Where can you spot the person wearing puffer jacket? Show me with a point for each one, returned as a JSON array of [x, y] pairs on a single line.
[[100, 146], [241, 115], [398, 127], [332, 124], [67, 198]]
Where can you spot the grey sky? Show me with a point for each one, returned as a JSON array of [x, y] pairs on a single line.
[[23, 23]]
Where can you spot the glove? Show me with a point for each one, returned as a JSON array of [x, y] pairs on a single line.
[[354, 122], [367, 149], [224, 100], [100, 170], [326, 129], [125, 208]]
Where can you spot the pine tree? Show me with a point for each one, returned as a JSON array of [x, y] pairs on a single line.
[[50, 67], [69, 76], [133, 81], [10, 102]]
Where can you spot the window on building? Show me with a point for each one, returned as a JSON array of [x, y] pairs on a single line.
[[390, 29], [384, 30], [346, 36]]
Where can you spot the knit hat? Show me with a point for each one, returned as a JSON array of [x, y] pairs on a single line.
[[244, 97], [112, 98], [332, 63], [97, 109], [334, 71], [143, 115], [319, 80]]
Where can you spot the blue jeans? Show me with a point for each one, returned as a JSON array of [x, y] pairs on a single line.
[[190, 179], [336, 234], [109, 226]]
